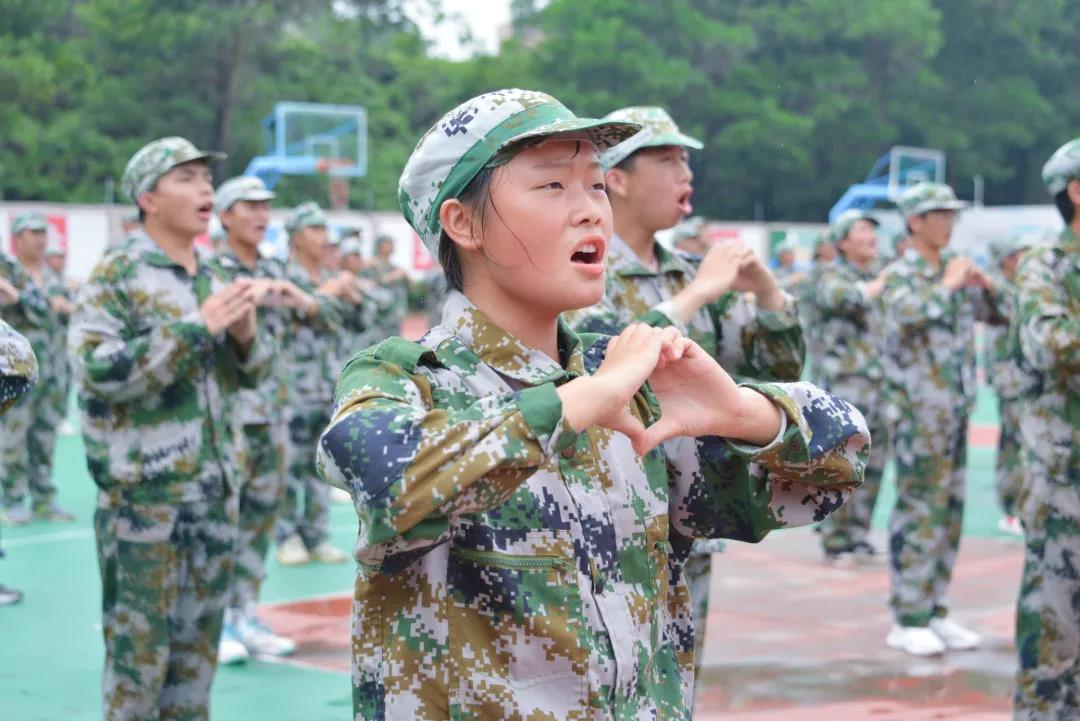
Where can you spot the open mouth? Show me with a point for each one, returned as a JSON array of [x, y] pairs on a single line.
[[685, 207], [589, 253], [206, 208]]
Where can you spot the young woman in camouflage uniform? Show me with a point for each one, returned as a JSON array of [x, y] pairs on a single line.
[[522, 531]]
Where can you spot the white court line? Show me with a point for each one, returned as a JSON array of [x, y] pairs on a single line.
[[43, 538]]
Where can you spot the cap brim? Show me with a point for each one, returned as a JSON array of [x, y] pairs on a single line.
[[603, 134], [674, 139], [257, 196]]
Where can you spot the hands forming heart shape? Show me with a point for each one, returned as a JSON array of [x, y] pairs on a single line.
[[697, 397]]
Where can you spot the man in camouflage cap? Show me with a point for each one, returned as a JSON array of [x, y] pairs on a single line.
[[30, 429], [18, 372], [243, 205], [1006, 375], [311, 351], [728, 301], [847, 297], [162, 341], [1048, 616], [932, 299], [514, 563], [688, 237], [394, 282]]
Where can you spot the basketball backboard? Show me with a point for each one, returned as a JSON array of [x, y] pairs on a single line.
[[311, 139]]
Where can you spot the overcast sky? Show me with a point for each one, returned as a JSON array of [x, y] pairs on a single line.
[[483, 18]]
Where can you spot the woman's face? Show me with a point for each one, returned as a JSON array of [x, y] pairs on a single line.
[[545, 230]]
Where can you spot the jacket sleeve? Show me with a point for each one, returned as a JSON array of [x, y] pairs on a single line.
[[772, 341], [18, 366], [1049, 324]]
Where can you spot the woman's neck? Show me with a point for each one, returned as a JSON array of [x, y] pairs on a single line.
[[534, 327]]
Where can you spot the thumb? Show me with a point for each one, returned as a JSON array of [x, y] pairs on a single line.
[[649, 438], [628, 424]]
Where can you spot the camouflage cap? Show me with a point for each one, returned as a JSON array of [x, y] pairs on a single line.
[[1063, 166], [1004, 246], [786, 246], [306, 215], [350, 246], [688, 228], [657, 129], [243, 187], [842, 225], [924, 197], [470, 136], [31, 220], [157, 158]]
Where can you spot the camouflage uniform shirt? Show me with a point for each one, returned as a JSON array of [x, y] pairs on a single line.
[[155, 388], [18, 366], [512, 568], [851, 324], [748, 342]]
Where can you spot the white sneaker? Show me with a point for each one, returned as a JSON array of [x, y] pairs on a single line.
[[261, 641], [341, 496], [230, 650], [1011, 525], [292, 552], [955, 636], [915, 640], [325, 553]]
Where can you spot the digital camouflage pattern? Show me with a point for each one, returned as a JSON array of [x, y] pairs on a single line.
[[657, 129], [311, 350], [748, 342], [512, 568], [1063, 166], [1048, 614], [18, 366], [923, 197], [31, 220], [30, 428], [852, 339], [1007, 375], [261, 412], [242, 187], [157, 158], [468, 137], [394, 300], [165, 448], [929, 365]]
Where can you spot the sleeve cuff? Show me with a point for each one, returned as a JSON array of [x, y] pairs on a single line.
[[784, 319], [663, 315], [542, 410]]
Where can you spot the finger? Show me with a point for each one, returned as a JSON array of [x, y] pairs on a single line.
[[649, 438]]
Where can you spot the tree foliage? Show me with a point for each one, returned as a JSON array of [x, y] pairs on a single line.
[[794, 99]]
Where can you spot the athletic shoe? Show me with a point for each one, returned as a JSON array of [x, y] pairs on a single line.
[[292, 552], [1011, 525], [955, 636], [260, 640], [915, 640], [863, 552], [325, 553], [231, 650], [53, 512], [9, 596], [16, 516], [842, 554]]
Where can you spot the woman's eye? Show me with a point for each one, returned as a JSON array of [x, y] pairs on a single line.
[[602, 187], [553, 185]]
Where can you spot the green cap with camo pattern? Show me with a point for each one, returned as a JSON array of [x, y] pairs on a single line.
[[157, 158], [1063, 166], [657, 129]]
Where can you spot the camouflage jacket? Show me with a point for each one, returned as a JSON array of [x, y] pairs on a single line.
[[33, 316], [929, 357], [18, 366], [749, 343], [156, 390], [512, 568], [1048, 283], [810, 315], [850, 324], [265, 404], [393, 304], [312, 345], [1005, 370], [362, 322]]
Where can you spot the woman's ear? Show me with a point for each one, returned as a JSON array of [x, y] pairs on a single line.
[[458, 223]]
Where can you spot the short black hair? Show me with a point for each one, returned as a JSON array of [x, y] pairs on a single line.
[[1065, 206], [474, 196]]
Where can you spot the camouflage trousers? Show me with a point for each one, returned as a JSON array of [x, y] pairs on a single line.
[[260, 498], [165, 575], [1048, 611], [851, 523], [309, 519], [930, 445], [29, 439], [1009, 465]]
